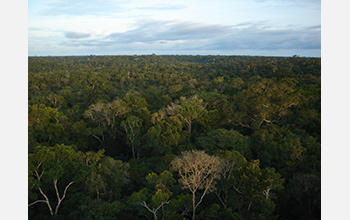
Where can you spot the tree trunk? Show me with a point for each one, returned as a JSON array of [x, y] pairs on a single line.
[[194, 206], [133, 151], [163, 212]]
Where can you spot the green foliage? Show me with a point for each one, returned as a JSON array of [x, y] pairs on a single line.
[[187, 110], [53, 170], [304, 192], [165, 179], [106, 211], [160, 197], [278, 147], [98, 125], [132, 126], [138, 197], [256, 186], [107, 178], [165, 135], [223, 139], [46, 126], [264, 101]]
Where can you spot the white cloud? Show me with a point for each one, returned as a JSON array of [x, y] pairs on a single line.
[[175, 36], [132, 26]]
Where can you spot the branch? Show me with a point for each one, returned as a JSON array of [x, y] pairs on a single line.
[[154, 211], [205, 191], [47, 200], [185, 211], [144, 204], [37, 201], [65, 190], [97, 138], [39, 176], [58, 195], [237, 190], [222, 202], [161, 205]]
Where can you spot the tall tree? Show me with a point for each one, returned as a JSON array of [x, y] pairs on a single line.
[[197, 171]]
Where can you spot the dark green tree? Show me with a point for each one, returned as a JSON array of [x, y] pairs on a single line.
[[187, 110], [161, 197], [263, 102], [52, 171], [164, 135], [222, 139], [132, 128]]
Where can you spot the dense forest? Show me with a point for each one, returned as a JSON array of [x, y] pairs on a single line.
[[174, 137]]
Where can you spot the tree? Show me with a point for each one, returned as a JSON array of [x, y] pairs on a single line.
[[49, 165], [226, 188], [304, 197], [45, 126], [132, 126], [160, 198], [264, 101], [197, 171], [254, 186], [107, 114], [187, 110], [107, 176], [278, 147], [165, 134], [56, 101]]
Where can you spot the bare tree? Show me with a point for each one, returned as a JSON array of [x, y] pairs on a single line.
[[197, 171]]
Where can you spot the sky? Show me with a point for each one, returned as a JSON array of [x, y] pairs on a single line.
[[220, 27]]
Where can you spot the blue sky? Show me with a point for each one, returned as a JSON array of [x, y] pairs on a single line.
[[225, 27]]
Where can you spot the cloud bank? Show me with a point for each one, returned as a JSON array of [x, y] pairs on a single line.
[[184, 35], [174, 27]]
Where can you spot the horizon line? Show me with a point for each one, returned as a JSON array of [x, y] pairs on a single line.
[[153, 54]]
